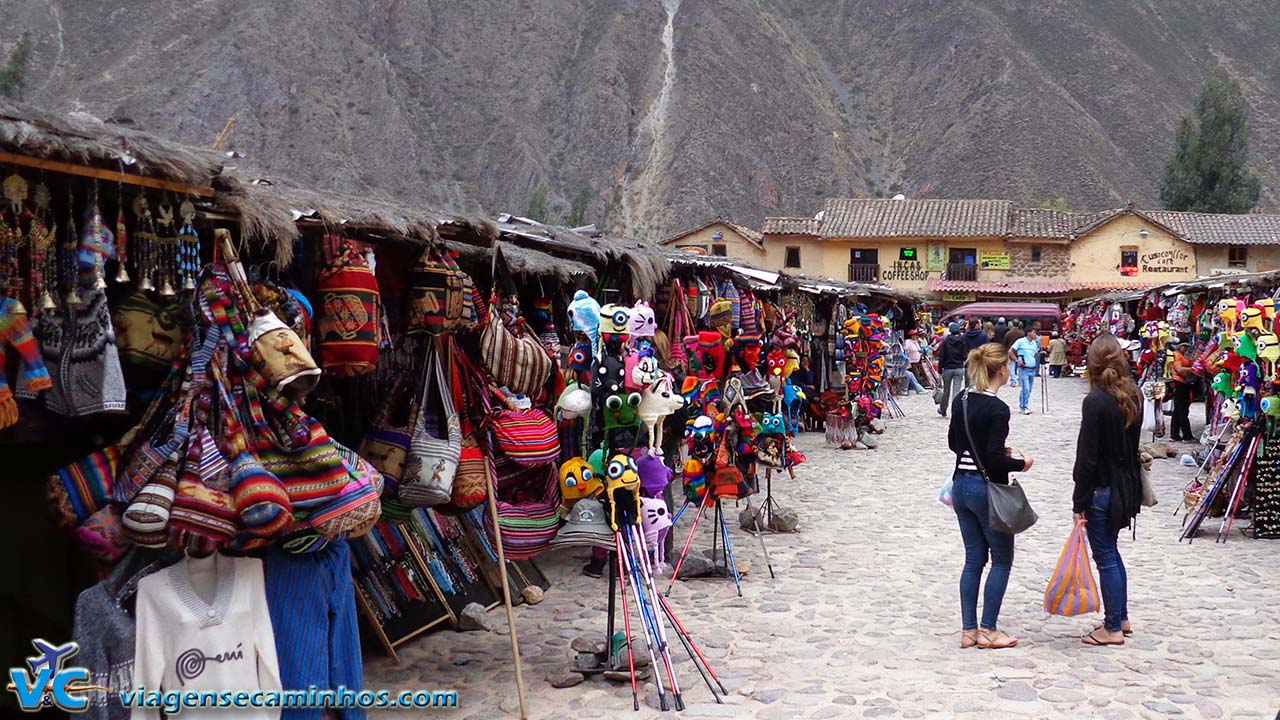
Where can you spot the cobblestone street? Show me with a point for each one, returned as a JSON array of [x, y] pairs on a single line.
[[863, 617]]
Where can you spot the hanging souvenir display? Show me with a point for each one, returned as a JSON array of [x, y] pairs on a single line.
[[349, 324]]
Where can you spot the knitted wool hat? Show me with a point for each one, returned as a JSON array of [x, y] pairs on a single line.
[[654, 475], [260, 498], [202, 519], [147, 516]]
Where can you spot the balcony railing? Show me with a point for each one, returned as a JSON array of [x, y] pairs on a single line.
[[864, 272], [962, 271]]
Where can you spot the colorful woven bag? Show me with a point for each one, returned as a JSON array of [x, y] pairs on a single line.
[[83, 487], [516, 360], [432, 462], [1072, 590], [435, 294], [527, 437], [349, 324], [530, 518], [386, 444]]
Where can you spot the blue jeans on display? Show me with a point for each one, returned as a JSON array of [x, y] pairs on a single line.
[[969, 499], [1112, 578], [1026, 378]]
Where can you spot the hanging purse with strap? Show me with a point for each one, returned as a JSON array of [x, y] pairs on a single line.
[[1008, 509], [435, 294], [470, 485], [348, 326], [432, 462], [515, 358]]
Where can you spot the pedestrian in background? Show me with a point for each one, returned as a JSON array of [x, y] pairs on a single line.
[[1000, 330], [1108, 487], [1057, 355], [1026, 355], [974, 337], [1012, 336], [915, 358], [1180, 382], [988, 424], [951, 359]]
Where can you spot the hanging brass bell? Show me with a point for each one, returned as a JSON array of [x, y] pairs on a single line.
[[46, 301], [189, 283], [122, 275], [145, 284], [167, 289], [72, 299], [99, 282]]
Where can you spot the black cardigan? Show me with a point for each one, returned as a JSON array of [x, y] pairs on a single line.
[[989, 422], [1107, 456]]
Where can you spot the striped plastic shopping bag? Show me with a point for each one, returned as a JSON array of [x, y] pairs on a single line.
[[1072, 590]]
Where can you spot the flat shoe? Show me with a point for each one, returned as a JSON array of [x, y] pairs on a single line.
[[1127, 633], [1093, 640], [985, 642]]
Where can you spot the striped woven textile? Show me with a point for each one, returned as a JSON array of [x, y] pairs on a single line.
[[528, 526], [83, 487], [1072, 590], [527, 437], [347, 327]]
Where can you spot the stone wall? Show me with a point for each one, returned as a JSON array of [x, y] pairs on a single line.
[[1054, 262]]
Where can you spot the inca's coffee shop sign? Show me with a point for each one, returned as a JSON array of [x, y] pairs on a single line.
[[1166, 261], [905, 271]]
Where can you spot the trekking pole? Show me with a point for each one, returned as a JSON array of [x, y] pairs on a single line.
[[688, 540], [728, 549], [644, 617], [676, 517], [690, 645], [1044, 390], [1233, 502], [755, 517], [626, 621], [1207, 457], [651, 594]]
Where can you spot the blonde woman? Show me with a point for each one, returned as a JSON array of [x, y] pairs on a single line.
[[987, 368]]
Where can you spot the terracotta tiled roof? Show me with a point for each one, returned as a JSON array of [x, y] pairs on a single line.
[[790, 226], [1047, 224], [1214, 229], [752, 236], [856, 217], [1015, 287], [1006, 288]]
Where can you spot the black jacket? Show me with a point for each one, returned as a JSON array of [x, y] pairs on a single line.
[[1107, 456], [989, 423], [952, 354], [998, 334]]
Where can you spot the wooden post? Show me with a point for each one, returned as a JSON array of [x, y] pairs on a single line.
[[506, 595]]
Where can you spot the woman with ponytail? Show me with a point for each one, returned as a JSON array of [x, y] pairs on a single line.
[[1108, 486], [988, 420]]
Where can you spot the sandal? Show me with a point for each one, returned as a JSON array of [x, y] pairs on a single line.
[[995, 640], [1093, 640], [1128, 632], [968, 638]]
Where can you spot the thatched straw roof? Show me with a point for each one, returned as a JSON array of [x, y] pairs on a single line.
[[270, 210], [524, 262], [646, 264], [85, 140]]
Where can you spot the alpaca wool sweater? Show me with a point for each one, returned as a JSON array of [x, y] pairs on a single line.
[[80, 351], [33, 376], [203, 624]]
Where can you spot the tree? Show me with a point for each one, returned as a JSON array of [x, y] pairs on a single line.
[[13, 76], [537, 209], [578, 210], [1209, 168]]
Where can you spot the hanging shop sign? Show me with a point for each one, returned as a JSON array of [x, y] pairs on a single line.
[[959, 297], [936, 257], [993, 260]]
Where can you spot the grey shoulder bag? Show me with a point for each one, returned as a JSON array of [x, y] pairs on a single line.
[[1008, 509]]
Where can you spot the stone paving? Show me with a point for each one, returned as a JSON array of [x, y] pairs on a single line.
[[863, 617]]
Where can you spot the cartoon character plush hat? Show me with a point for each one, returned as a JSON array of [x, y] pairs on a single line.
[[654, 475], [580, 356], [1251, 319], [584, 315], [615, 323], [574, 401], [622, 483], [711, 354], [578, 480], [643, 323]]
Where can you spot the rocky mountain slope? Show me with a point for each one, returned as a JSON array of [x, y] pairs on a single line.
[[651, 115]]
